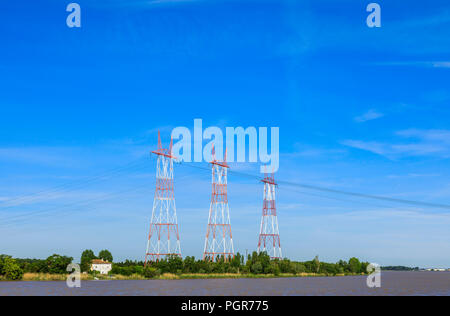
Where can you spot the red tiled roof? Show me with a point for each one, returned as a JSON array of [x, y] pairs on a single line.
[[99, 261]]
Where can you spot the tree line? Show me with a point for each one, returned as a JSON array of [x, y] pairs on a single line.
[[400, 268], [14, 268], [255, 263]]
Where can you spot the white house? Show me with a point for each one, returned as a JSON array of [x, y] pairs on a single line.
[[101, 266]]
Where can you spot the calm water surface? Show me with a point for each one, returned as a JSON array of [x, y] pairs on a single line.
[[393, 283]]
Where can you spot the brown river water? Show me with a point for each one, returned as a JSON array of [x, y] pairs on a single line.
[[392, 283]]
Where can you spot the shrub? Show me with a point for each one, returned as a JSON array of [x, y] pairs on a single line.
[[354, 265], [233, 270], [245, 269], [86, 258], [12, 270], [139, 270], [105, 255], [257, 268], [57, 264], [150, 273], [274, 269]]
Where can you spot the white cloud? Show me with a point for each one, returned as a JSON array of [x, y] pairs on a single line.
[[137, 3], [368, 116], [427, 143], [413, 175], [39, 155], [169, 1], [441, 64], [426, 64], [428, 135], [61, 195], [306, 151], [377, 148]]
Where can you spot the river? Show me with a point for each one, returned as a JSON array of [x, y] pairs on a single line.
[[392, 283]]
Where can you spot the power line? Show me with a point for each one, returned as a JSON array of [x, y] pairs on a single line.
[[79, 203], [368, 196], [137, 165], [67, 187], [321, 196], [23, 217], [50, 212], [340, 192]]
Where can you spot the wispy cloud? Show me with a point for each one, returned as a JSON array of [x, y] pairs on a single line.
[[50, 196], [302, 150], [426, 64], [169, 1], [373, 214], [38, 155], [426, 20], [413, 175], [314, 153], [137, 3], [441, 64], [369, 116], [427, 135], [422, 143]]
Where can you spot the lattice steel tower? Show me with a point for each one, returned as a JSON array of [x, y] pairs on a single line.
[[219, 240], [163, 239], [269, 236]]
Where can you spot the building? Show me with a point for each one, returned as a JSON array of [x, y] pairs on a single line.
[[101, 266], [437, 269]]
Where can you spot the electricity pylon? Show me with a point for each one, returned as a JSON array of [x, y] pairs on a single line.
[[269, 235], [163, 239], [219, 240]]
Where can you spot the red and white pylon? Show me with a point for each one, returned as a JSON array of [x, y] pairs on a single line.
[[163, 239], [219, 240], [269, 236]]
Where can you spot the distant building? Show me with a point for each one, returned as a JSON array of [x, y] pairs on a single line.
[[101, 266]]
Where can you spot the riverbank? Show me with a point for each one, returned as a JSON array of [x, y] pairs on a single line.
[[171, 276], [256, 265], [393, 283]]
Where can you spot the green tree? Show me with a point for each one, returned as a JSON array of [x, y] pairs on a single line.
[[354, 265], [300, 267], [2, 263], [175, 263], [284, 265], [105, 255], [274, 268], [264, 259], [364, 266], [11, 270], [58, 264], [257, 268], [86, 258], [189, 265], [237, 261], [150, 272], [316, 264]]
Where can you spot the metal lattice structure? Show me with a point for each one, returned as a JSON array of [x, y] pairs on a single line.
[[163, 239], [219, 240], [269, 236]]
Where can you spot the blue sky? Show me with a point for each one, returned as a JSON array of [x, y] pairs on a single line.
[[359, 109]]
